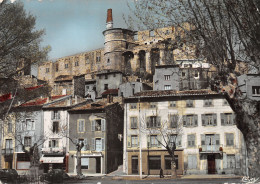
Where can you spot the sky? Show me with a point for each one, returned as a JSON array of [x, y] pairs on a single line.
[[74, 26]]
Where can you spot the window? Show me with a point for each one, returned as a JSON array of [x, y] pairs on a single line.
[[190, 120], [85, 142], [114, 75], [27, 141], [151, 33], [108, 60], [153, 105], [106, 77], [84, 163], [87, 88], [183, 74], [133, 106], [135, 37], [54, 143], [29, 124], [55, 115], [167, 87], [10, 127], [134, 140], [192, 161], [105, 86], [209, 119], [57, 67], [208, 103], [167, 77], [173, 121], [47, 70], [98, 59], [55, 127], [196, 73], [98, 125], [87, 59], [66, 65], [153, 122], [173, 104], [189, 103], [225, 102], [231, 161], [77, 63], [229, 139], [133, 121], [173, 141], [227, 119], [256, 90], [81, 125], [168, 159], [98, 144], [191, 140], [154, 141], [154, 162], [8, 144]]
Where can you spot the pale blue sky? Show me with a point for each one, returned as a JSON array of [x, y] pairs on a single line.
[[74, 26]]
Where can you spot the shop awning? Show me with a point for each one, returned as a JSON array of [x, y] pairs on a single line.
[[52, 159]]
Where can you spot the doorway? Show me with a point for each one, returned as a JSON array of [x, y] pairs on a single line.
[[211, 164], [134, 164], [98, 167]]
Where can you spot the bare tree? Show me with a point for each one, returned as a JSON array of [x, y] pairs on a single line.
[[224, 32]]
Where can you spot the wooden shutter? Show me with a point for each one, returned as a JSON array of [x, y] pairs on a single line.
[[129, 141], [222, 117], [217, 138], [93, 144], [203, 139], [203, 119], [214, 119], [178, 140], [233, 119], [148, 122], [52, 114], [93, 125], [237, 160], [58, 114], [158, 121], [103, 143], [103, 124], [224, 160], [195, 120], [189, 140], [159, 141], [148, 141], [184, 119], [85, 144]]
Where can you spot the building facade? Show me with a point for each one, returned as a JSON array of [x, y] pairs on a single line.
[[200, 122]]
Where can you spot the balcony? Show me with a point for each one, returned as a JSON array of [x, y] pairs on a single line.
[[7, 151], [54, 151], [211, 148]]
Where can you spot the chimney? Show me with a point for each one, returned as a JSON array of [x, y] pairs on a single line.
[[109, 19]]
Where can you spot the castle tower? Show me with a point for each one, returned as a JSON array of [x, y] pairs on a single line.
[[117, 41]]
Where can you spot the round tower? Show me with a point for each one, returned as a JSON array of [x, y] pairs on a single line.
[[117, 41]]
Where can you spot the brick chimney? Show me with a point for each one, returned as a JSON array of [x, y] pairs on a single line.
[[109, 19]]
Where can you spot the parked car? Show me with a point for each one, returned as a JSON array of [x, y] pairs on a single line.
[[55, 175], [9, 175]]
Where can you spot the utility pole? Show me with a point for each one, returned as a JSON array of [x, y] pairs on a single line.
[[140, 142]]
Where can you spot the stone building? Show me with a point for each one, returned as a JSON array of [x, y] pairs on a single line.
[[199, 122], [249, 85], [99, 125]]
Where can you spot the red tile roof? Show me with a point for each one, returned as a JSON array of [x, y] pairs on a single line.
[[173, 93], [40, 101]]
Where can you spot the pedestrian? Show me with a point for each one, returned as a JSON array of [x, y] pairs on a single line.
[[161, 173]]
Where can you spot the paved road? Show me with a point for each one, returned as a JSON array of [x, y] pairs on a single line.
[[162, 181]]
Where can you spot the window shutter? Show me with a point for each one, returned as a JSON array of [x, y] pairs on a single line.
[[158, 121], [179, 140], [233, 118], [184, 119], [85, 144], [222, 117], [224, 160], [103, 143], [148, 141], [203, 119], [93, 144], [189, 140], [148, 120], [237, 160], [93, 125], [135, 120], [215, 119], [129, 141], [49, 143], [58, 114], [52, 115], [159, 141], [195, 120], [131, 122], [217, 138], [203, 138], [103, 124]]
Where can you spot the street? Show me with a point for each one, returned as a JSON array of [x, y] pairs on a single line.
[[157, 181]]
